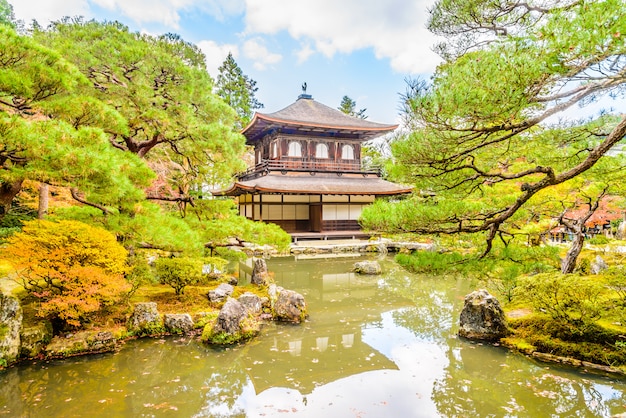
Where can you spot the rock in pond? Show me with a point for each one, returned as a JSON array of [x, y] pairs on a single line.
[[367, 267], [178, 323], [35, 339], [82, 342], [482, 318], [260, 275], [290, 306], [233, 324], [220, 293], [10, 328], [145, 320]]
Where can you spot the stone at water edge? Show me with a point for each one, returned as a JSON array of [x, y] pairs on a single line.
[[10, 328], [35, 338], [145, 319], [220, 293], [230, 317], [367, 267], [178, 323], [482, 318], [260, 275], [290, 306], [233, 324]]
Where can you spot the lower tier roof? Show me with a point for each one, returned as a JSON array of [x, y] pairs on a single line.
[[325, 184]]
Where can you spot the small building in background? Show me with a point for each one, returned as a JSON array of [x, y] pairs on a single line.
[[308, 175]]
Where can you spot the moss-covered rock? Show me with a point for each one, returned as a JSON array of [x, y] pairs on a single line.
[[233, 324], [290, 306], [83, 342], [34, 339], [10, 328], [146, 320], [178, 323]]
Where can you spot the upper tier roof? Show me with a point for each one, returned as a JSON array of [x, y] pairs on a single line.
[[306, 116]]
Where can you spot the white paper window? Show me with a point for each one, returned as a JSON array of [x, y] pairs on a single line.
[[321, 151], [295, 149], [347, 152]]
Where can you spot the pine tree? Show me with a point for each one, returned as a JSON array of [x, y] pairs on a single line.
[[348, 106], [237, 89]]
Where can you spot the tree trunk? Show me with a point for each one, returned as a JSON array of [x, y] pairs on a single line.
[[42, 210], [8, 191], [569, 262]]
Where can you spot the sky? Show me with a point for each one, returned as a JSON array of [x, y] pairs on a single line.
[[363, 49]]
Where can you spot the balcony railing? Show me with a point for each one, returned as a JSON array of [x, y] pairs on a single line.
[[309, 165]]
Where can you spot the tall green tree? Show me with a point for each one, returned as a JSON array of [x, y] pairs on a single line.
[[237, 89], [6, 14], [161, 86], [50, 132], [348, 106], [484, 146], [172, 121]]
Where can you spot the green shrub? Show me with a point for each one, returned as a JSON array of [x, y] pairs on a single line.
[[599, 239], [140, 274], [568, 298], [180, 272]]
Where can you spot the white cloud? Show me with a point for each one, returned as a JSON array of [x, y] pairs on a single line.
[[256, 50], [395, 29], [304, 53], [216, 54], [45, 11]]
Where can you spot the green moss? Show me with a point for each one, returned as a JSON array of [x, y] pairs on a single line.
[[209, 317], [591, 342], [248, 328], [151, 329], [518, 344], [4, 330]]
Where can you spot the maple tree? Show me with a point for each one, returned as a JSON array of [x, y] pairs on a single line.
[[73, 268]]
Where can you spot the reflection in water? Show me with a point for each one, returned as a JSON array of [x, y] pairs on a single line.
[[373, 347]]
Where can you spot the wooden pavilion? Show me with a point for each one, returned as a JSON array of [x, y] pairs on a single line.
[[308, 174]]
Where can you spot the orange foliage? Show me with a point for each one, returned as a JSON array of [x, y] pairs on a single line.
[[75, 269]]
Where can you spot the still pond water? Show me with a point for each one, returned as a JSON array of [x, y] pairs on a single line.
[[381, 346]]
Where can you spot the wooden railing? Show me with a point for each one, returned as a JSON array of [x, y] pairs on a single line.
[[309, 165]]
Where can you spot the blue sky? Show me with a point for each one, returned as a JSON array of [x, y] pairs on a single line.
[[364, 49]]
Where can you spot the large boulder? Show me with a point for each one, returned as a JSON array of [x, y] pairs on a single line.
[[145, 320], [260, 275], [253, 303], [35, 339], [220, 293], [367, 267], [482, 318], [290, 306], [10, 328], [82, 342], [233, 324], [178, 323]]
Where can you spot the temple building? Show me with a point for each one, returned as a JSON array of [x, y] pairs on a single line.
[[308, 174]]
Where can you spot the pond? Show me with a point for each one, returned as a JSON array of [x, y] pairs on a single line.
[[382, 346]]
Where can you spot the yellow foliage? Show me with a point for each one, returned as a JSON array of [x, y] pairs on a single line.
[[75, 269]]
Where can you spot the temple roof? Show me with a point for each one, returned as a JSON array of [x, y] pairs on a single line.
[[307, 116], [318, 184]]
